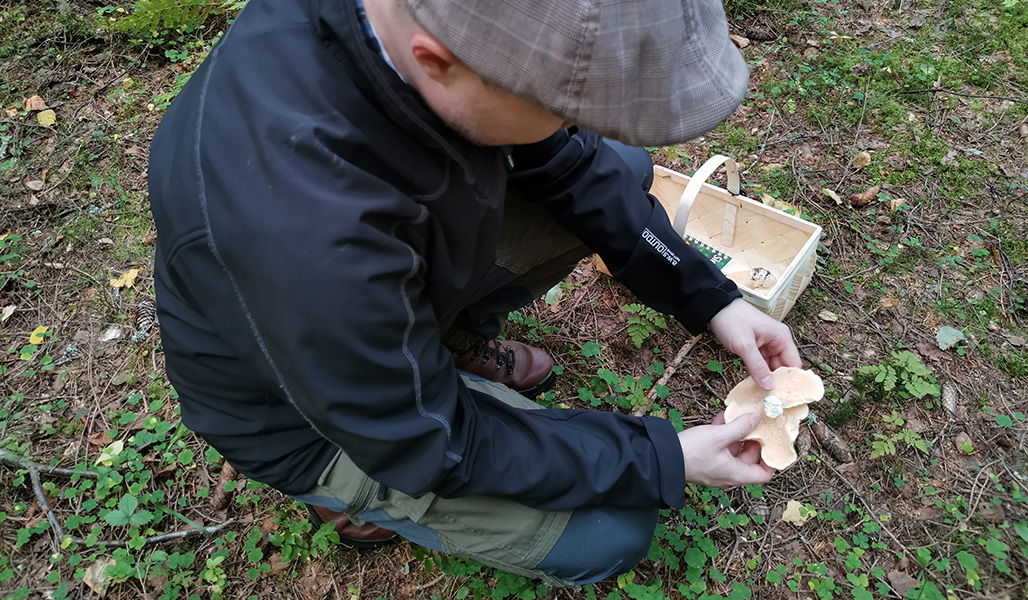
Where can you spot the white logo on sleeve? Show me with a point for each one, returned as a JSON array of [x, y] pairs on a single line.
[[660, 246]]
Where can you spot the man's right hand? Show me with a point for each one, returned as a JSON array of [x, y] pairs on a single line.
[[717, 455]]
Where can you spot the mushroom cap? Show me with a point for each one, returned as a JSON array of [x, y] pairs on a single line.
[[792, 386], [795, 388]]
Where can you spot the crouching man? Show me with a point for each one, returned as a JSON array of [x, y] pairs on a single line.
[[350, 196]]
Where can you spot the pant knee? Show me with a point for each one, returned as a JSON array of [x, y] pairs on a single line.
[[600, 543]]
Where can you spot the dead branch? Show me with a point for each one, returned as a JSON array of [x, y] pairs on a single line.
[[34, 469]]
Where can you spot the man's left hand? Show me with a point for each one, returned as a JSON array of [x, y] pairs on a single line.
[[763, 343]]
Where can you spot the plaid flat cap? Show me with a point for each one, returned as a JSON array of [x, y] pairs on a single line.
[[645, 72]]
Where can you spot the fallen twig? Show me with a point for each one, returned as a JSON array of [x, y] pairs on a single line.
[[34, 469], [668, 372], [945, 91]]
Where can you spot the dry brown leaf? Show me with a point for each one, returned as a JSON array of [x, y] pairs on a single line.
[[221, 496], [1024, 130], [34, 103], [34, 184], [895, 204], [127, 279], [831, 194], [740, 41], [827, 315], [861, 159], [888, 302], [46, 118], [11, 112], [859, 200], [33, 200], [95, 576], [901, 582]]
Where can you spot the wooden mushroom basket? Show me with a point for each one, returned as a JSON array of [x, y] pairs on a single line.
[[781, 410]]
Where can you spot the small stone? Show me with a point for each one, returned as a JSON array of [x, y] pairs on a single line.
[[962, 441], [1023, 130], [1016, 340]]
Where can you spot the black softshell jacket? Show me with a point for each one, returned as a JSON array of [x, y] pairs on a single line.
[[319, 228]]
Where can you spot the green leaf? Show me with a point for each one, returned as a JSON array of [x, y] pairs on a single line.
[[1004, 421], [1022, 530], [715, 366], [774, 577], [996, 548], [141, 517], [116, 517], [128, 504], [967, 560], [212, 455]]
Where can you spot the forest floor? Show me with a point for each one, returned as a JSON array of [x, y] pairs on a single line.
[[900, 128]]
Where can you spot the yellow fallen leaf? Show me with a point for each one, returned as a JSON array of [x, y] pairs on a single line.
[[796, 513], [108, 453], [862, 159], [47, 118], [37, 335], [831, 194], [4, 236], [781, 205], [34, 103], [127, 279]]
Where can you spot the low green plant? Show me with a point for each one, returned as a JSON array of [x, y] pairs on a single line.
[[903, 377], [157, 18], [643, 322], [885, 444]]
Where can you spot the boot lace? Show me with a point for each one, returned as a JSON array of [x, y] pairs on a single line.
[[505, 355]]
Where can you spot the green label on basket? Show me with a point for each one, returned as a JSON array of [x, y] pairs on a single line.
[[719, 258]]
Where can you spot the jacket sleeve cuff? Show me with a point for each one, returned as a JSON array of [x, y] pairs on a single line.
[[669, 460], [707, 303]]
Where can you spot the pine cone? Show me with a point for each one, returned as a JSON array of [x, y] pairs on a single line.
[[146, 315]]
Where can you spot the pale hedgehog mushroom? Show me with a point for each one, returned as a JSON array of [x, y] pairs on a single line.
[[781, 411], [755, 278]]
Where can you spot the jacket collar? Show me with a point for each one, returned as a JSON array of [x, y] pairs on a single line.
[[339, 30]]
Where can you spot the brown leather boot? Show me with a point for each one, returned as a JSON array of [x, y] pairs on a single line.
[[523, 368], [352, 536]]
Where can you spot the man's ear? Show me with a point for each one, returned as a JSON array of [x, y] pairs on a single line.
[[433, 57]]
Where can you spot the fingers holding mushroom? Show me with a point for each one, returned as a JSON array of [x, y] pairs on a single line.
[[781, 411]]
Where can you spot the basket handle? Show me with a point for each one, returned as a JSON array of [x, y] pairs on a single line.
[[696, 183], [693, 189]]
